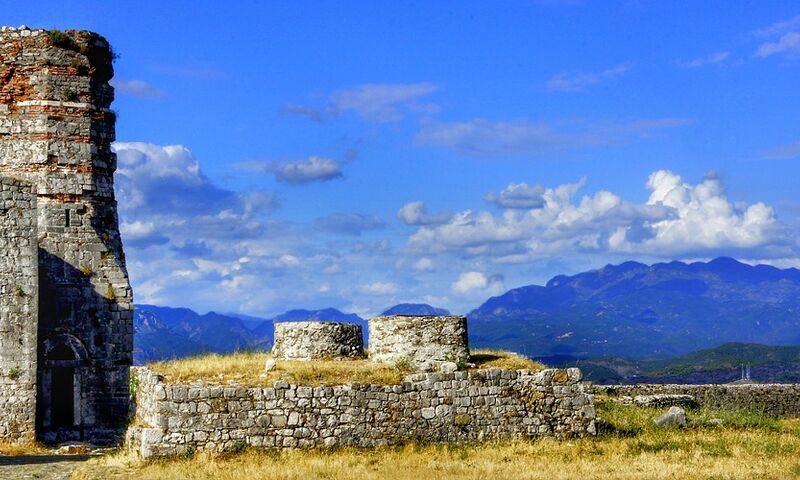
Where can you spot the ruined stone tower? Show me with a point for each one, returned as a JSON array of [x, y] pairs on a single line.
[[66, 332]]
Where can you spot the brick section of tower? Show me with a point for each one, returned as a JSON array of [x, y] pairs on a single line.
[[56, 130]]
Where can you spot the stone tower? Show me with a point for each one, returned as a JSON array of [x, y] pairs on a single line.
[[73, 347]]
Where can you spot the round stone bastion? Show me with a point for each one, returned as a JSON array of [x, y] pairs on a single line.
[[425, 341], [313, 339]]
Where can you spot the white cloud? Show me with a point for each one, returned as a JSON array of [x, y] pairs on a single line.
[[303, 111], [477, 282], [137, 88], [379, 289], [311, 169], [518, 195], [705, 218], [579, 81], [785, 38], [424, 264], [779, 28], [383, 102], [678, 219], [788, 43], [137, 229], [141, 234], [482, 137], [710, 59], [415, 213], [375, 102], [782, 152], [289, 260]]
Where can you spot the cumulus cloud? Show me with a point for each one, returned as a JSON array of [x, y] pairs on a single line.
[[710, 59], [137, 88], [482, 137], [376, 102], [518, 195], [415, 213], [579, 81], [350, 223], [678, 219], [141, 234], [477, 282], [704, 217], [311, 169], [162, 192]]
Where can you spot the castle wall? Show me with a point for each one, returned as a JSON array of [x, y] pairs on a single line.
[[777, 400], [314, 339], [56, 130], [172, 419], [423, 341], [18, 306]]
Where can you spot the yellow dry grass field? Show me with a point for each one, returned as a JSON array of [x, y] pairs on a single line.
[[746, 446], [247, 369], [16, 450]]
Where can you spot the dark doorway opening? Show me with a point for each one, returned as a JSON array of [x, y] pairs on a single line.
[[62, 397], [60, 387]]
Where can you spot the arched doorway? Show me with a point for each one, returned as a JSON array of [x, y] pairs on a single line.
[[60, 405]]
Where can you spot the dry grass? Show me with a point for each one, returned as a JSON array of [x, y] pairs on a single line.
[[16, 449], [487, 358], [630, 448], [248, 369]]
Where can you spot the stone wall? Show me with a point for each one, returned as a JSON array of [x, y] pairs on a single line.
[[316, 339], [423, 341], [56, 130], [780, 400], [433, 407], [18, 306]]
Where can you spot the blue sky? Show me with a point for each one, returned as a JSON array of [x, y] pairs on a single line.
[[278, 155]]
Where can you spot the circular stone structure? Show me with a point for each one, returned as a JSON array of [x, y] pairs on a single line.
[[313, 339], [422, 340]]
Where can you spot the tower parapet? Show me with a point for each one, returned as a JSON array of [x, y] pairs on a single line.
[[312, 339]]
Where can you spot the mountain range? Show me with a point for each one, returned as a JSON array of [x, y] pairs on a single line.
[[619, 317], [638, 310], [723, 364]]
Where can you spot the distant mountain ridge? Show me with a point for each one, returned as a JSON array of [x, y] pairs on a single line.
[[166, 332], [619, 316], [722, 364], [638, 310], [415, 309]]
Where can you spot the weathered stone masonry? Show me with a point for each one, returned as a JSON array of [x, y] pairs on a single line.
[[56, 130], [18, 305], [424, 341], [308, 340], [495, 403]]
